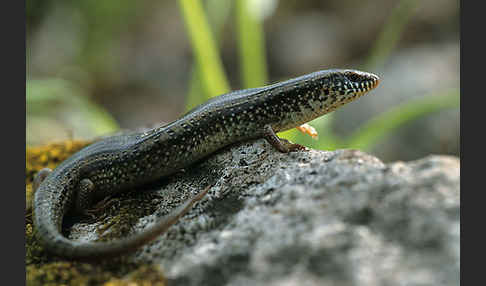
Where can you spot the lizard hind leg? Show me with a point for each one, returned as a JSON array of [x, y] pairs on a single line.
[[162, 225], [40, 177], [165, 222], [85, 195]]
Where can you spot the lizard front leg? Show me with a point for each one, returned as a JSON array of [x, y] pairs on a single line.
[[281, 145]]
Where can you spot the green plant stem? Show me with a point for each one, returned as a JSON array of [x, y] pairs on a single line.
[[380, 126], [392, 30], [251, 46], [209, 64], [218, 12]]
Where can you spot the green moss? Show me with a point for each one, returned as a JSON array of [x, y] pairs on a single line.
[[124, 214], [65, 273], [99, 273], [33, 250], [144, 275]]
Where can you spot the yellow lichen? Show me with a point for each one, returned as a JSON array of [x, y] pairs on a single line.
[[65, 273], [143, 276], [50, 155]]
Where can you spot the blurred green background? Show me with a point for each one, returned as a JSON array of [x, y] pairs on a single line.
[[94, 67]]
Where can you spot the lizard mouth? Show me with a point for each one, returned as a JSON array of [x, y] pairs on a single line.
[[360, 82]]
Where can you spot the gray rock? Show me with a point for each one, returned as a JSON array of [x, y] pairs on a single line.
[[308, 218]]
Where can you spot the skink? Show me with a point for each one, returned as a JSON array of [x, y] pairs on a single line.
[[119, 163]]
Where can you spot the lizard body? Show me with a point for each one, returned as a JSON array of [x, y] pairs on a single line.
[[122, 162]]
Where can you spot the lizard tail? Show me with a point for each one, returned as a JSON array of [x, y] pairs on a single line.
[[62, 246]]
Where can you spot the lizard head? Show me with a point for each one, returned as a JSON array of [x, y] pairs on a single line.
[[347, 83]]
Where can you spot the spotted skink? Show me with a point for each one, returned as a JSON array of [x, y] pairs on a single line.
[[123, 162]]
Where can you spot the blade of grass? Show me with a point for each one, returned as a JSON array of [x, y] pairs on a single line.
[[380, 126], [251, 44], [42, 93], [218, 12], [196, 94], [209, 64], [326, 141], [390, 34]]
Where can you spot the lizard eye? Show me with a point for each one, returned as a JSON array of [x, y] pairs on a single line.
[[354, 77]]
